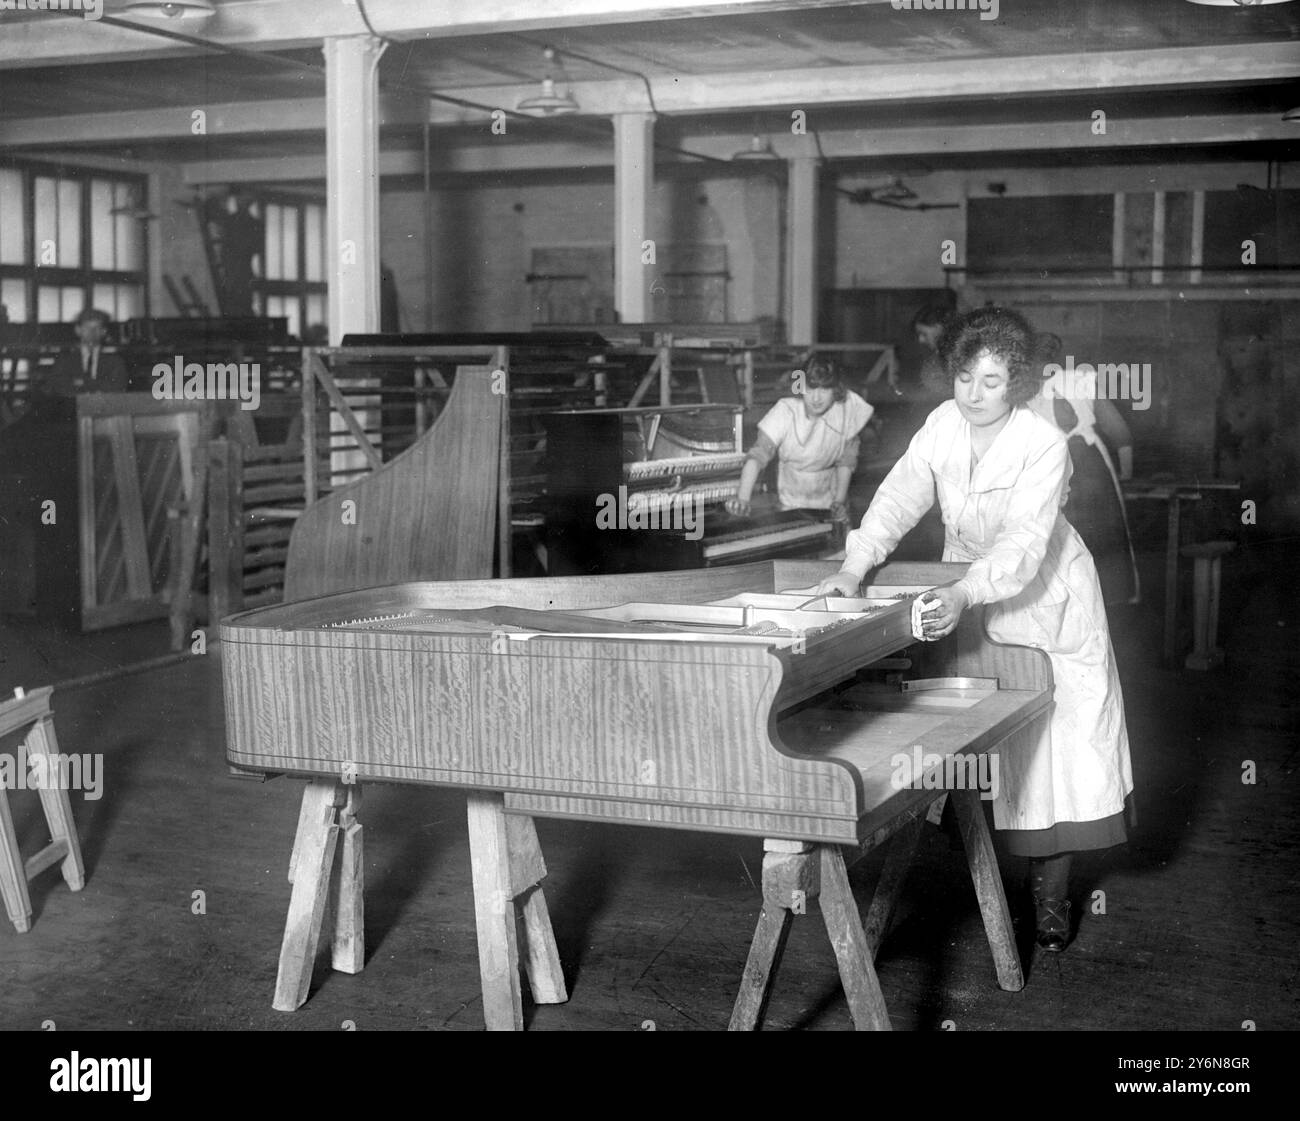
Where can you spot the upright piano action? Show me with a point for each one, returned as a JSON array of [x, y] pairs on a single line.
[[703, 700], [670, 470]]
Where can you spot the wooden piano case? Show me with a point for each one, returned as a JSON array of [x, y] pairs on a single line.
[[699, 700]]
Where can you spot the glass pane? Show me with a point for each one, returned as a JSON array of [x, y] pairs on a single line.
[[316, 311], [13, 218], [47, 305], [69, 223], [273, 237], [129, 235], [284, 307], [315, 245], [74, 299], [13, 294], [47, 224], [290, 259], [102, 222], [104, 297], [128, 302]]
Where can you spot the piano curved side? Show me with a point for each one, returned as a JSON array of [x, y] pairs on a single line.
[[581, 726], [429, 514]]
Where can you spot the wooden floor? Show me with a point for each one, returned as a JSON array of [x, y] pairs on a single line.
[[1198, 930]]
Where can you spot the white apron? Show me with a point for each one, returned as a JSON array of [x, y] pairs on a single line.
[[1033, 570]]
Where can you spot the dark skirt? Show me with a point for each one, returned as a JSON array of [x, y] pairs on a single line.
[[1072, 836]]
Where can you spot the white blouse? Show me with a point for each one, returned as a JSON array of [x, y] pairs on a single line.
[[810, 448]]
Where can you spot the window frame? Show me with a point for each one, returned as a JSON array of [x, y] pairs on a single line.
[[84, 276], [263, 287]]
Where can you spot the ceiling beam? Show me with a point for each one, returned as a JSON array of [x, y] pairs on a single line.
[[227, 119], [843, 144], [801, 89], [277, 25], [1104, 72]]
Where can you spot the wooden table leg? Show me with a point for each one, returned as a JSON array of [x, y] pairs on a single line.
[[889, 888], [347, 890], [852, 951], [314, 848], [306, 811], [57, 805], [13, 876], [760, 967], [790, 880], [494, 913], [988, 888], [527, 871]]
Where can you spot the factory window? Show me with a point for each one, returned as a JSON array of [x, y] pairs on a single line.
[[293, 285], [70, 239]]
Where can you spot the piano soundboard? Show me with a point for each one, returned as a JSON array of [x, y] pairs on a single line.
[[779, 621]]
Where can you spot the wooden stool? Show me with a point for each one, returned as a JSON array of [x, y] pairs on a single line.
[[1207, 561], [34, 709]]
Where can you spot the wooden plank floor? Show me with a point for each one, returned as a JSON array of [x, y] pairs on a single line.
[[1199, 929]]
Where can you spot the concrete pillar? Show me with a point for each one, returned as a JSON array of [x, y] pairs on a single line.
[[801, 250], [634, 171], [352, 181]]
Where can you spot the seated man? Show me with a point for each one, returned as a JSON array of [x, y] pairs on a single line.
[[88, 368]]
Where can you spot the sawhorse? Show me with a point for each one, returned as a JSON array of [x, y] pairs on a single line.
[[64, 849], [795, 872], [508, 869]]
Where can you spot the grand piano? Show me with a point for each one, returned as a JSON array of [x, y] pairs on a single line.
[[724, 700]]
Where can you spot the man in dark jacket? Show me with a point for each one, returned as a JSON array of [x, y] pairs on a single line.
[[87, 368]]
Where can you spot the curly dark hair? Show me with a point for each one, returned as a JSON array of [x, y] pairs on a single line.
[[1000, 332], [822, 373]]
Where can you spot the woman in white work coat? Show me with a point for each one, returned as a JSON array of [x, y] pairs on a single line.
[[1001, 473]]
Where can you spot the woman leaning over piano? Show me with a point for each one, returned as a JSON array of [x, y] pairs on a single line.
[[1001, 474], [815, 434]]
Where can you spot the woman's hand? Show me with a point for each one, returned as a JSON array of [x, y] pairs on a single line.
[[942, 621], [842, 584], [739, 506], [839, 511]]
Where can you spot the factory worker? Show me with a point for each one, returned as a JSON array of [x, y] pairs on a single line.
[[1000, 473]]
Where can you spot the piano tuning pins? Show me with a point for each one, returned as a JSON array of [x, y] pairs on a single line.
[[373, 619]]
